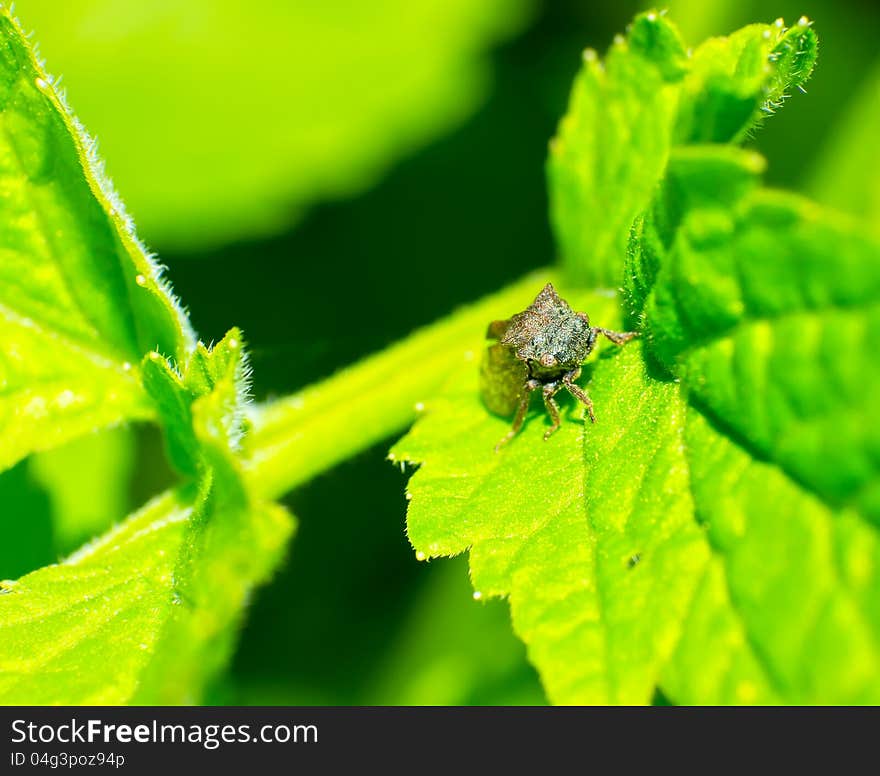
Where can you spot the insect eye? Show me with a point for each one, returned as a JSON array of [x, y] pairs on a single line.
[[548, 360]]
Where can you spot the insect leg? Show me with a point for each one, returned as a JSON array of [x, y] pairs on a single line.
[[568, 380], [617, 337], [549, 392], [528, 387]]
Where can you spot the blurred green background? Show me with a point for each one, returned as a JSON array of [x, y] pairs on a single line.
[[329, 176]]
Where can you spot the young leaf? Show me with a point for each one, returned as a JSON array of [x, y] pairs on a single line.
[[628, 113], [734, 82], [80, 299], [611, 146], [214, 380]]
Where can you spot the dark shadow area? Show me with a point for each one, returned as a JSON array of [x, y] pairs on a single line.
[[336, 605], [27, 542], [459, 220]]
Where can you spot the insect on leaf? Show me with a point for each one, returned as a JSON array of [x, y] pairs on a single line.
[[714, 534], [527, 514]]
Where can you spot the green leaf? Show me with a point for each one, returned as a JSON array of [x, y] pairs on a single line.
[[611, 146], [147, 614], [225, 121], [228, 550], [787, 610], [775, 350], [92, 612], [629, 112], [128, 619], [76, 287], [772, 345]]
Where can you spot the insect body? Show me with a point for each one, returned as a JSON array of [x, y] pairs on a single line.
[[541, 347]]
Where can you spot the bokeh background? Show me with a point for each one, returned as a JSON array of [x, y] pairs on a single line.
[[330, 176]]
